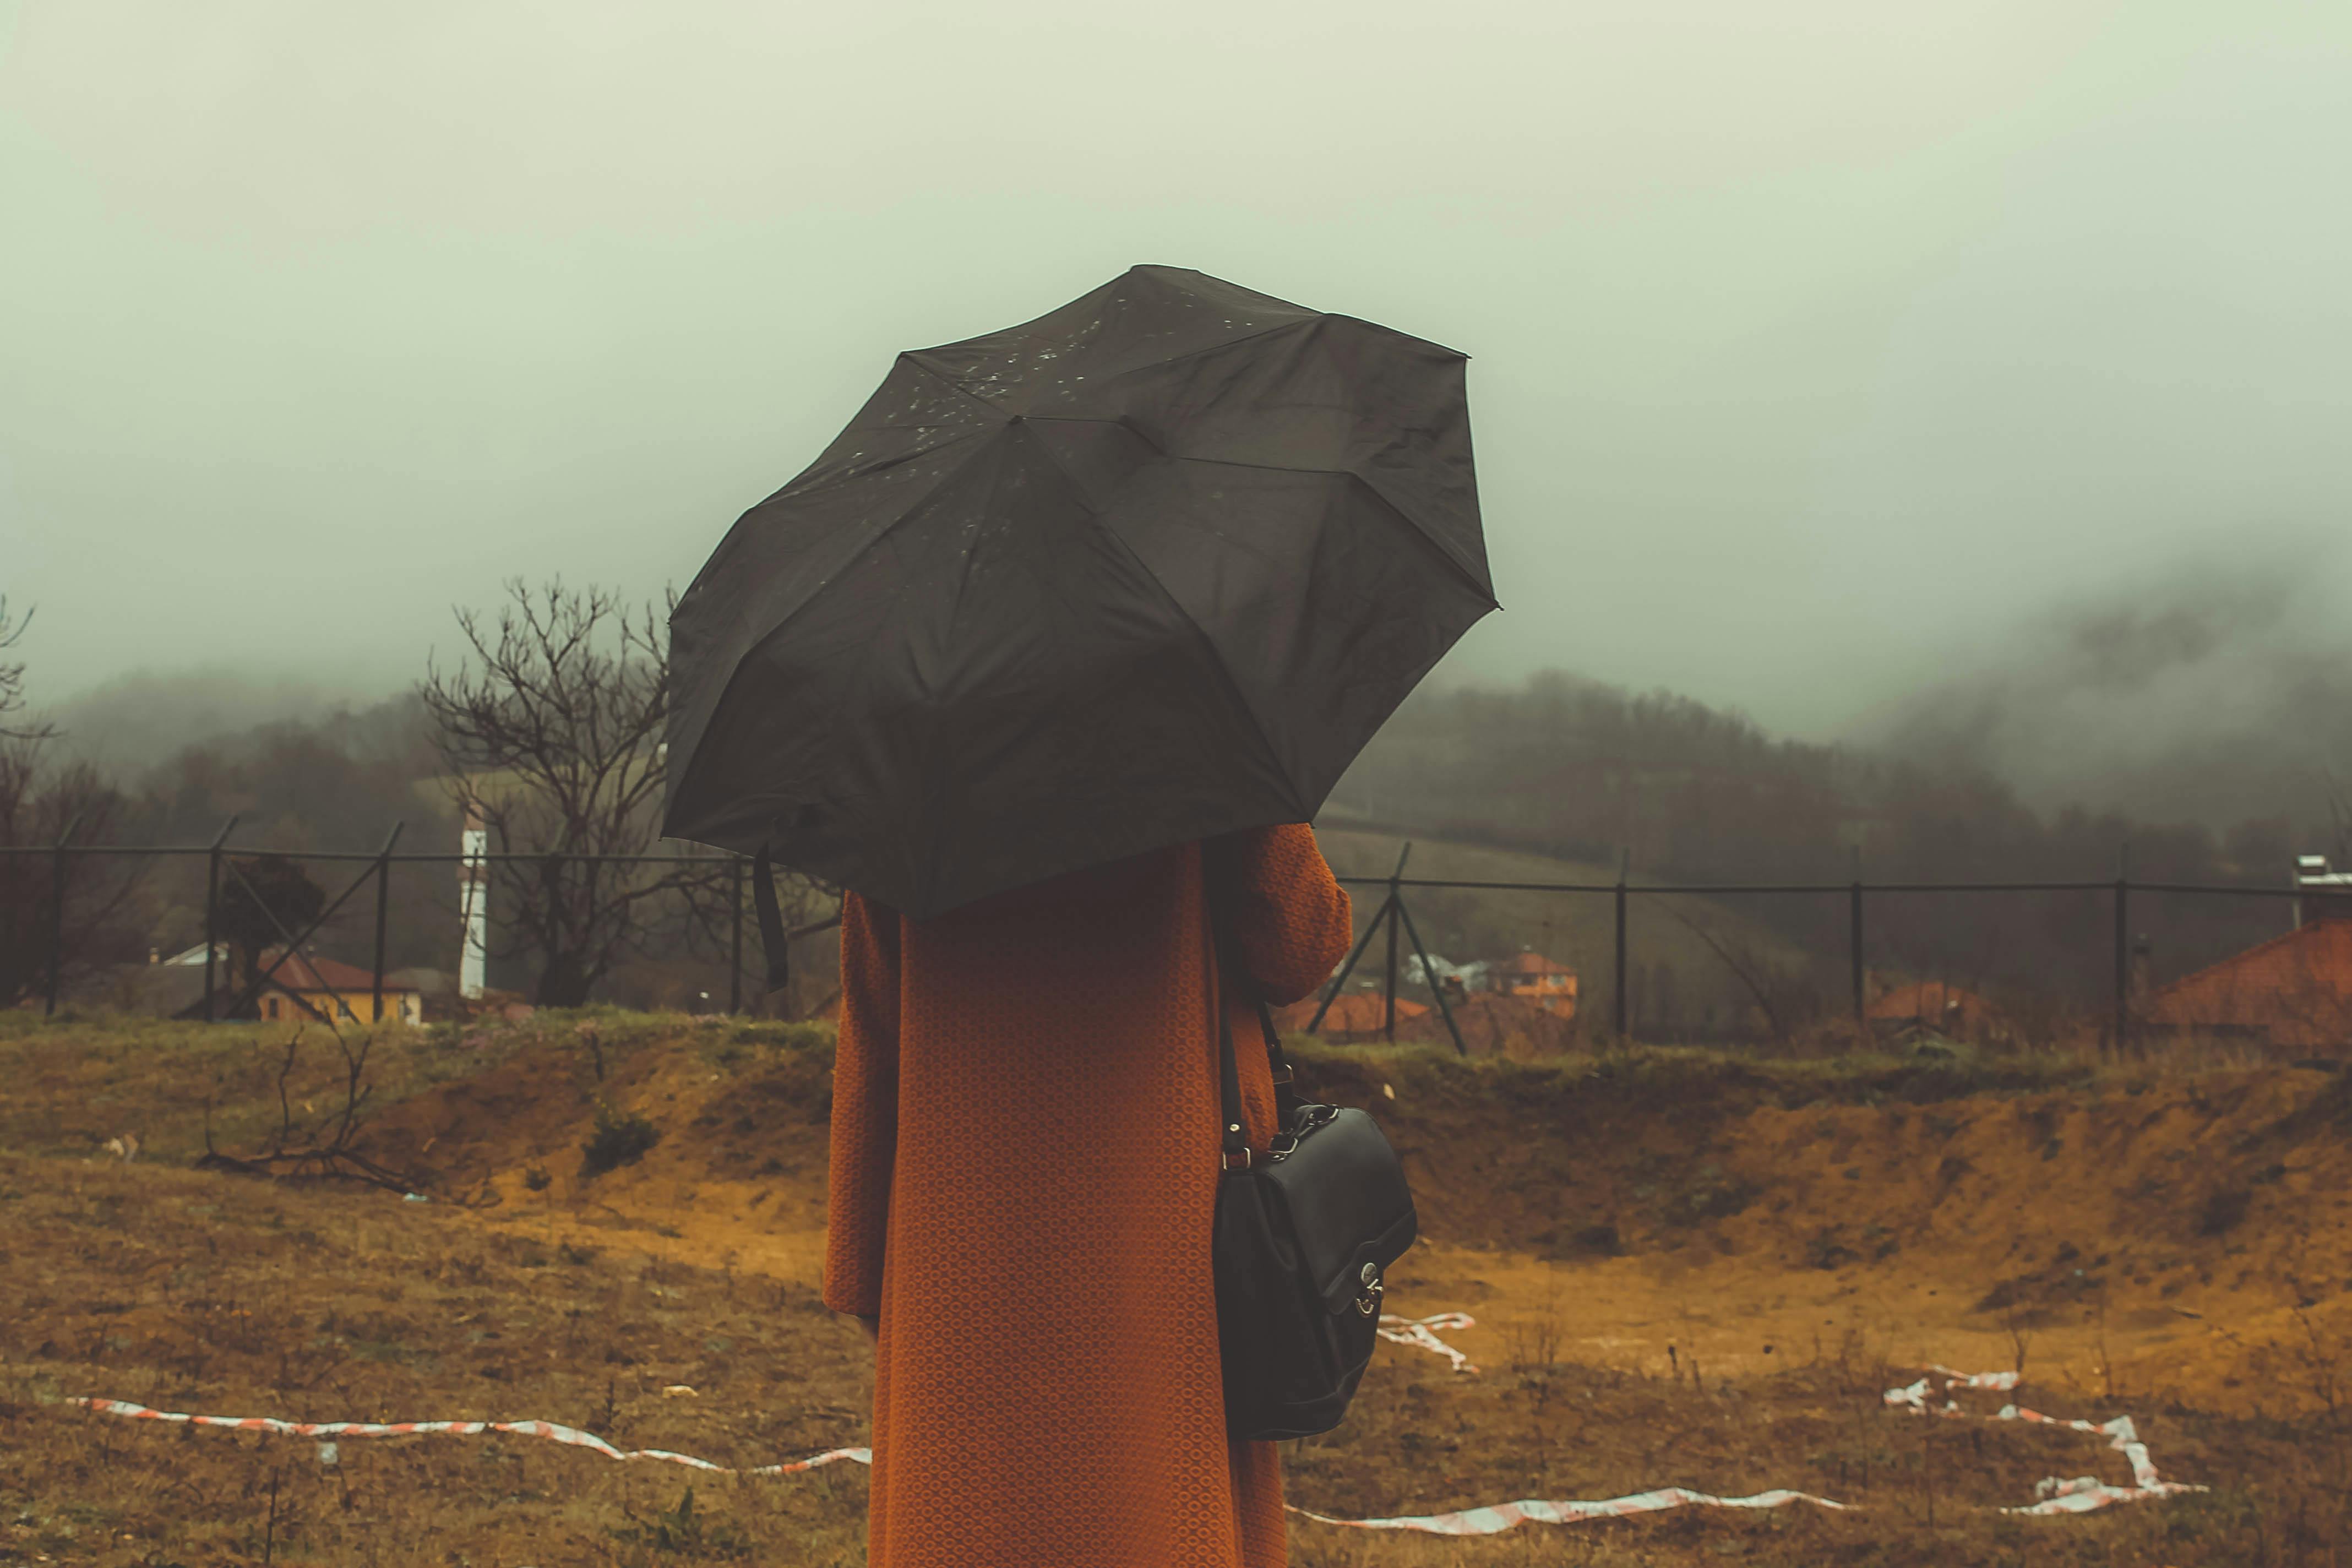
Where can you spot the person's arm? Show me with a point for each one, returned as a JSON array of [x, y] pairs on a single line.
[[864, 1110], [1290, 921]]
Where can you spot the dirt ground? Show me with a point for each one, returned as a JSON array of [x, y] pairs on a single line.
[[1684, 1270]]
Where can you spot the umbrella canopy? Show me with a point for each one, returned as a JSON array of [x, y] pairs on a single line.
[[1151, 567]]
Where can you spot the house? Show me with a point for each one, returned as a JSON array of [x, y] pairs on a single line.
[[302, 987], [307, 986], [2292, 993], [2325, 893], [1355, 1017], [1935, 1006], [1494, 1023], [1552, 986]]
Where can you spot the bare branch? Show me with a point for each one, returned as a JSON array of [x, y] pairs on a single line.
[[549, 730], [1744, 964], [12, 681]]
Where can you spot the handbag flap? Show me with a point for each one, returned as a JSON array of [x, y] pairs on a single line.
[[1348, 1202]]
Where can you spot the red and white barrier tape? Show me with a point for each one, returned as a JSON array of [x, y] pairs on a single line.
[[2081, 1494], [1421, 1332], [1474, 1521], [2058, 1494], [1533, 1511], [552, 1431]]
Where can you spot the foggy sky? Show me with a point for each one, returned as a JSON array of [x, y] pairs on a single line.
[[1823, 352]]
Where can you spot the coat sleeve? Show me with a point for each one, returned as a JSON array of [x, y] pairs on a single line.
[[1290, 920], [864, 1108]]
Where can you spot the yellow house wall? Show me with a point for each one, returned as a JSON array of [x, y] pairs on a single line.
[[408, 1007]]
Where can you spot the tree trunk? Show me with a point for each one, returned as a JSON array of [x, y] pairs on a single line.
[[563, 983]]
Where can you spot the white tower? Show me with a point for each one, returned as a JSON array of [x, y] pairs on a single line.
[[474, 901]]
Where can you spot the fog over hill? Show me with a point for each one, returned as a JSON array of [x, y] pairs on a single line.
[[134, 721], [2210, 691]]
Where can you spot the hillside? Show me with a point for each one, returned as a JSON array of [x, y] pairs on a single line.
[[1680, 985]]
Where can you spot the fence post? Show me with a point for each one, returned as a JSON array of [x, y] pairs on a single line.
[[57, 913], [1355, 956], [383, 915], [554, 925], [212, 908], [1429, 972], [1387, 1025], [1853, 911], [1624, 864], [2122, 950], [735, 942]]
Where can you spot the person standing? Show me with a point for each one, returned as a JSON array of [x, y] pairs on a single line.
[[1023, 1171]]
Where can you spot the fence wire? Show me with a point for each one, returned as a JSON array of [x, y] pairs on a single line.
[[2126, 965]]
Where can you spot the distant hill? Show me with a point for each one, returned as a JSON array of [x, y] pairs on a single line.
[[138, 721], [1678, 982]]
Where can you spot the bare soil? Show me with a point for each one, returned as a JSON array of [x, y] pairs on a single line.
[[1685, 1270]]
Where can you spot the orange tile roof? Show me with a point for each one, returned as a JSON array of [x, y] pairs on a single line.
[[2293, 990], [1933, 1000], [304, 972], [1356, 1012]]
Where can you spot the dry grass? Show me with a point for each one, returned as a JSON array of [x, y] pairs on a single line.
[[530, 1291], [186, 1291]]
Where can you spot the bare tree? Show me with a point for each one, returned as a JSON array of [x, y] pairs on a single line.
[[39, 805], [331, 1149], [12, 681], [550, 733]]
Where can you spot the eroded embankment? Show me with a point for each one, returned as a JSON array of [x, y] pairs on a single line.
[[2166, 1235]]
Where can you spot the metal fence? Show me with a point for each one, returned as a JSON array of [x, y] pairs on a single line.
[[370, 882], [372, 874], [1392, 918]]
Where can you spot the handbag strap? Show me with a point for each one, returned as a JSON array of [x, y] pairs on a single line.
[[1234, 1152]]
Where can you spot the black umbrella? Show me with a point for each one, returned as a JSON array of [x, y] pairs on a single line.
[[1151, 567]]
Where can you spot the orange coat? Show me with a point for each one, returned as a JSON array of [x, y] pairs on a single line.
[[1023, 1170]]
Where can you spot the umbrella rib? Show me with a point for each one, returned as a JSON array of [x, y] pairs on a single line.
[[753, 644], [1217, 661], [915, 356], [1379, 494]]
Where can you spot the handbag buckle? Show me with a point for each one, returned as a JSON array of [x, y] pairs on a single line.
[[1230, 1161], [1369, 1302]]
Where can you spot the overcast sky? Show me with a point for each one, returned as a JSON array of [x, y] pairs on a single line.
[[1818, 346]]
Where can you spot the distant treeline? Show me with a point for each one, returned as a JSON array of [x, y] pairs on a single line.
[[1559, 767], [1569, 767]]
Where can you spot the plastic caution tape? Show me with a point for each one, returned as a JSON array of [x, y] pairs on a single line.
[[1422, 1332], [2057, 1494], [1500, 1516], [552, 1431]]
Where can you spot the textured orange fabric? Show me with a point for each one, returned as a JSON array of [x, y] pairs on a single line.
[[1023, 1172]]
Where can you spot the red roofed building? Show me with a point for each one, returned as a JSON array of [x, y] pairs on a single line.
[[2292, 992], [1358, 1015], [1494, 1024], [1936, 1005], [1551, 986], [304, 986]]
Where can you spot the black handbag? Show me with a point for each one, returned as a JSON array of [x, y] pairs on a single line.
[[1303, 1234]]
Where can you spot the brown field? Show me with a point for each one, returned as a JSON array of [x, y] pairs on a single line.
[[1686, 1269]]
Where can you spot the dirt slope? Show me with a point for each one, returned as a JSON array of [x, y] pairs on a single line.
[[2179, 1236], [1685, 1270]]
